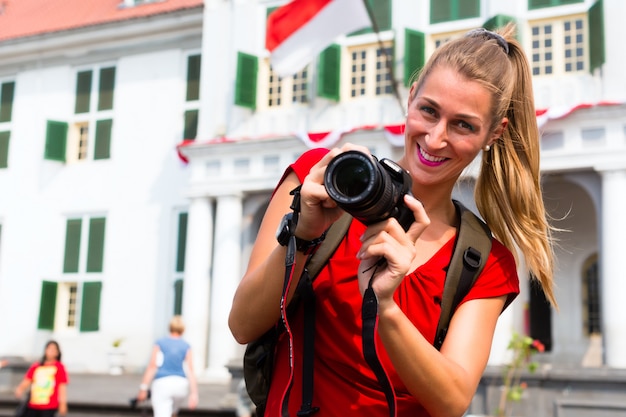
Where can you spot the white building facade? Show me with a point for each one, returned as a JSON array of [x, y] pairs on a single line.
[[175, 236]]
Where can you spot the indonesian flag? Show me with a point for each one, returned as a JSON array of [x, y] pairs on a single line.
[[301, 29]]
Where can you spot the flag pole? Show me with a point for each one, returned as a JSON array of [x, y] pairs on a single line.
[[388, 63]]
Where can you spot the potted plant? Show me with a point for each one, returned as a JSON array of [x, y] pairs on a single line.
[[116, 357], [523, 348]]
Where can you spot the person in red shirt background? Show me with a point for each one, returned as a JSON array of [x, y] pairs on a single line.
[[47, 380]]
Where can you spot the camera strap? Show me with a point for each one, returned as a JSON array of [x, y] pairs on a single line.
[[304, 291], [469, 256], [369, 315]]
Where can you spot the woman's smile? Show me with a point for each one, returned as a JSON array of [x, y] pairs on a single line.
[[429, 159]]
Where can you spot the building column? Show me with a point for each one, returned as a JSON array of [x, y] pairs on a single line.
[[226, 276], [196, 289], [613, 272]]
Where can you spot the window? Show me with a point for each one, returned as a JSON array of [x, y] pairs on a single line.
[[284, 92], [74, 301], [7, 91], [192, 97], [538, 4], [88, 135], [70, 306], [181, 249], [591, 297], [370, 70], [447, 10], [559, 46]]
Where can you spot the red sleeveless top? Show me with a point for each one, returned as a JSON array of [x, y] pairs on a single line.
[[344, 384]]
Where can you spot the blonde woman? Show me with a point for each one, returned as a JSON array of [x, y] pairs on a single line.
[[473, 97], [170, 374]]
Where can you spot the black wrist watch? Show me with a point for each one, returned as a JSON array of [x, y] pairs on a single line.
[[287, 228]]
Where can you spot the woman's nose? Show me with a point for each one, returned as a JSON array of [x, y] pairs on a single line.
[[437, 136]]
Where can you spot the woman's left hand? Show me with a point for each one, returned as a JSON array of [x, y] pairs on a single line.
[[388, 240]]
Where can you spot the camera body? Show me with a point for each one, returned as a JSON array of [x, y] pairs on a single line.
[[369, 189]]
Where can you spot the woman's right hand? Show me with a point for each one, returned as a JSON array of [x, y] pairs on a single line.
[[317, 210]]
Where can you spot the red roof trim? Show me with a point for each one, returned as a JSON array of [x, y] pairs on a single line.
[[24, 18]]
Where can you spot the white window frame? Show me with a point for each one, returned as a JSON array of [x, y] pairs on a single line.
[[285, 97], [557, 46], [63, 311], [367, 55], [89, 119]]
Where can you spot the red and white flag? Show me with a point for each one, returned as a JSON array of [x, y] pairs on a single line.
[[301, 29]]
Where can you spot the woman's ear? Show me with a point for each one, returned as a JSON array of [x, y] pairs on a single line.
[[498, 131], [412, 93]]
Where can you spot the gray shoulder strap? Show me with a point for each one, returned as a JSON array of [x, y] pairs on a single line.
[[334, 235], [471, 250]]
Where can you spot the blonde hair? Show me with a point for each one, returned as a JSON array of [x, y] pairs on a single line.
[[177, 325], [508, 190]]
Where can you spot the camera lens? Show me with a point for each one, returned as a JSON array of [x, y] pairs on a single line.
[[352, 177], [369, 190]]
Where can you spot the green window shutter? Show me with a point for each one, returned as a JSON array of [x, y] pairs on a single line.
[[106, 88], [56, 140], [193, 77], [90, 307], [72, 245], [380, 13], [4, 149], [467, 9], [102, 145], [182, 242], [269, 12], [191, 124], [596, 36], [497, 21], [246, 84], [440, 11], [83, 91], [6, 101], [381, 10], [447, 10], [329, 67], [178, 297], [538, 4], [414, 54], [534, 4], [47, 305], [95, 250]]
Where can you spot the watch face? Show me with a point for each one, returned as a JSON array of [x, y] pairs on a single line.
[[284, 230]]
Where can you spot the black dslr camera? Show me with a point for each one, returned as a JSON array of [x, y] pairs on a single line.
[[369, 189]]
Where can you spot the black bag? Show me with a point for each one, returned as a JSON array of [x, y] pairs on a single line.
[[258, 360]]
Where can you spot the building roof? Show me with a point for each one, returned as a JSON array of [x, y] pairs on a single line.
[[24, 18]]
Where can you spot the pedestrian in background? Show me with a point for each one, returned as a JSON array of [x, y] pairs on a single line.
[[171, 373], [47, 380]]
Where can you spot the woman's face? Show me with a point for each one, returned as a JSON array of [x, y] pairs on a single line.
[[51, 352], [448, 123]]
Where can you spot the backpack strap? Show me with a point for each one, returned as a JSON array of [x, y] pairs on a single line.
[[334, 236], [471, 250]]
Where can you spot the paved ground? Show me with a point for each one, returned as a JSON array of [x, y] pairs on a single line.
[[119, 389]]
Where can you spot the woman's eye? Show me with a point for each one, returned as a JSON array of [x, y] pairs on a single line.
[[428, 110], [465, 125]]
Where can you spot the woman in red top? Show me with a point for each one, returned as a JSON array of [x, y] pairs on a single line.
[[474, 94], [47, 380]]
